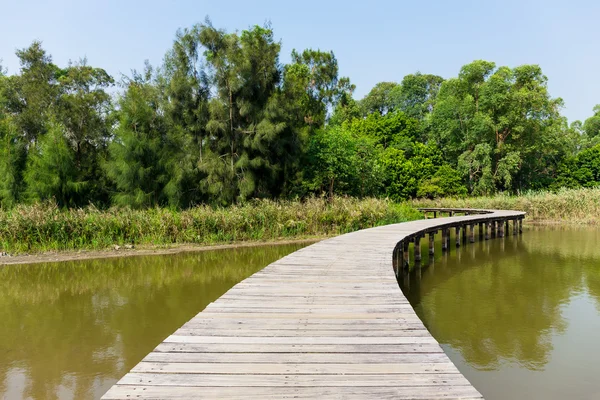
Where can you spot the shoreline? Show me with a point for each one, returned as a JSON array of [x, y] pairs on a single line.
[[159, 250], [76, 255]]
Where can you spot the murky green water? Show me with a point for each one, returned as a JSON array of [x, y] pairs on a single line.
[[70, 330], [520, 317]]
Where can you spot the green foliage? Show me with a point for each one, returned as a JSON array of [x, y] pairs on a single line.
[[403, 175], [418, 94], [340, 163], [13, 155], [501, 124], [582, 170], [44, 226], [51, 171], [445, 182], [135, 155], [392, 129], [382, 99], [591, 127], [222, 121]]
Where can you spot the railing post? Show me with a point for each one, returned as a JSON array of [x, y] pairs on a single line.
[[435, 214], [457, 230], [520, 225], [444, 239], [431, 243], [405, 254], [417, 249]]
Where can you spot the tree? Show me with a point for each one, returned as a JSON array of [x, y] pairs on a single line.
[[84, 109], [339, 163], [135, 164], [583, 170], [318, 71], [418, 94], [383, 98], [501, 125], [52, 169], [591, 126], [31, 97], [445, 182], [244, 71], [392, 129], [185, 90]]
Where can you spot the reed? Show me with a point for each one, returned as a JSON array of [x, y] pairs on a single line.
[[45, 227], [578, 206]]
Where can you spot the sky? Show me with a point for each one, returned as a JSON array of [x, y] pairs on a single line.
[[373, 40]]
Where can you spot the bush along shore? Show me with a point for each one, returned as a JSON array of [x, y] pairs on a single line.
[[46, 227], [580, 206]]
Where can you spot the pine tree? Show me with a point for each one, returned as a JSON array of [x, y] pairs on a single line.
[[134, 164], [51, 171]]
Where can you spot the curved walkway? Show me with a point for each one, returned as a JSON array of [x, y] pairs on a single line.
[[328, 321]]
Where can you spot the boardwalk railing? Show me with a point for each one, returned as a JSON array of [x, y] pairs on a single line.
[[328, 321]]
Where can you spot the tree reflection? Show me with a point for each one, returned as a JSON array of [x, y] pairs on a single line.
[[77, 327], [502, 302]]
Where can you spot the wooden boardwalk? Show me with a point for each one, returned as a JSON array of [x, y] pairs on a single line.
[[328, 321]]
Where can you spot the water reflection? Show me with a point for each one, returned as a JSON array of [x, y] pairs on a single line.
[[509, 311], [70, 330]]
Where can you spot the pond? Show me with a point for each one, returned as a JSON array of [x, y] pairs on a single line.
[[519, 316], [70, 330]]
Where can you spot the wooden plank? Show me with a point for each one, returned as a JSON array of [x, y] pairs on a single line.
[[296, 348], [332, 340], [276, 332], [299, 369], [299, 358], [122, 392], [289, 380]]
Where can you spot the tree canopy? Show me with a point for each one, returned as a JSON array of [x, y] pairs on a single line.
[[222, 120]]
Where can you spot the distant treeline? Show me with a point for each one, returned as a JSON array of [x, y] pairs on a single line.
[[222, 120]]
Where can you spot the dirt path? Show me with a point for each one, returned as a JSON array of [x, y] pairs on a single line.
[[139, 251]]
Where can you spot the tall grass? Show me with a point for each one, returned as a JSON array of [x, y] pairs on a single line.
[[567, 206], [45, 227]]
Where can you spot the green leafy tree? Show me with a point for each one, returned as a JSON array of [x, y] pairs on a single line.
[[583, 170], [84, 110], [418, 94], [52, 169], [444, 183], [392, 129], [319, 72], [383, 98], [332, 166], [591, 126], [501, 125], [31, 97]]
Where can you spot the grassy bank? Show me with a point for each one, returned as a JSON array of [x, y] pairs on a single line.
[[566, 206], [45, 227]]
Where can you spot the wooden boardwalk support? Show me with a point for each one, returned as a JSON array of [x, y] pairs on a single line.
[[328, 321]]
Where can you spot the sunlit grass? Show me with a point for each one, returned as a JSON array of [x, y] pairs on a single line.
[[45, 227], [565, 206]]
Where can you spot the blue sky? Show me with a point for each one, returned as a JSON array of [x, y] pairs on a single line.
[[373, 40]]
